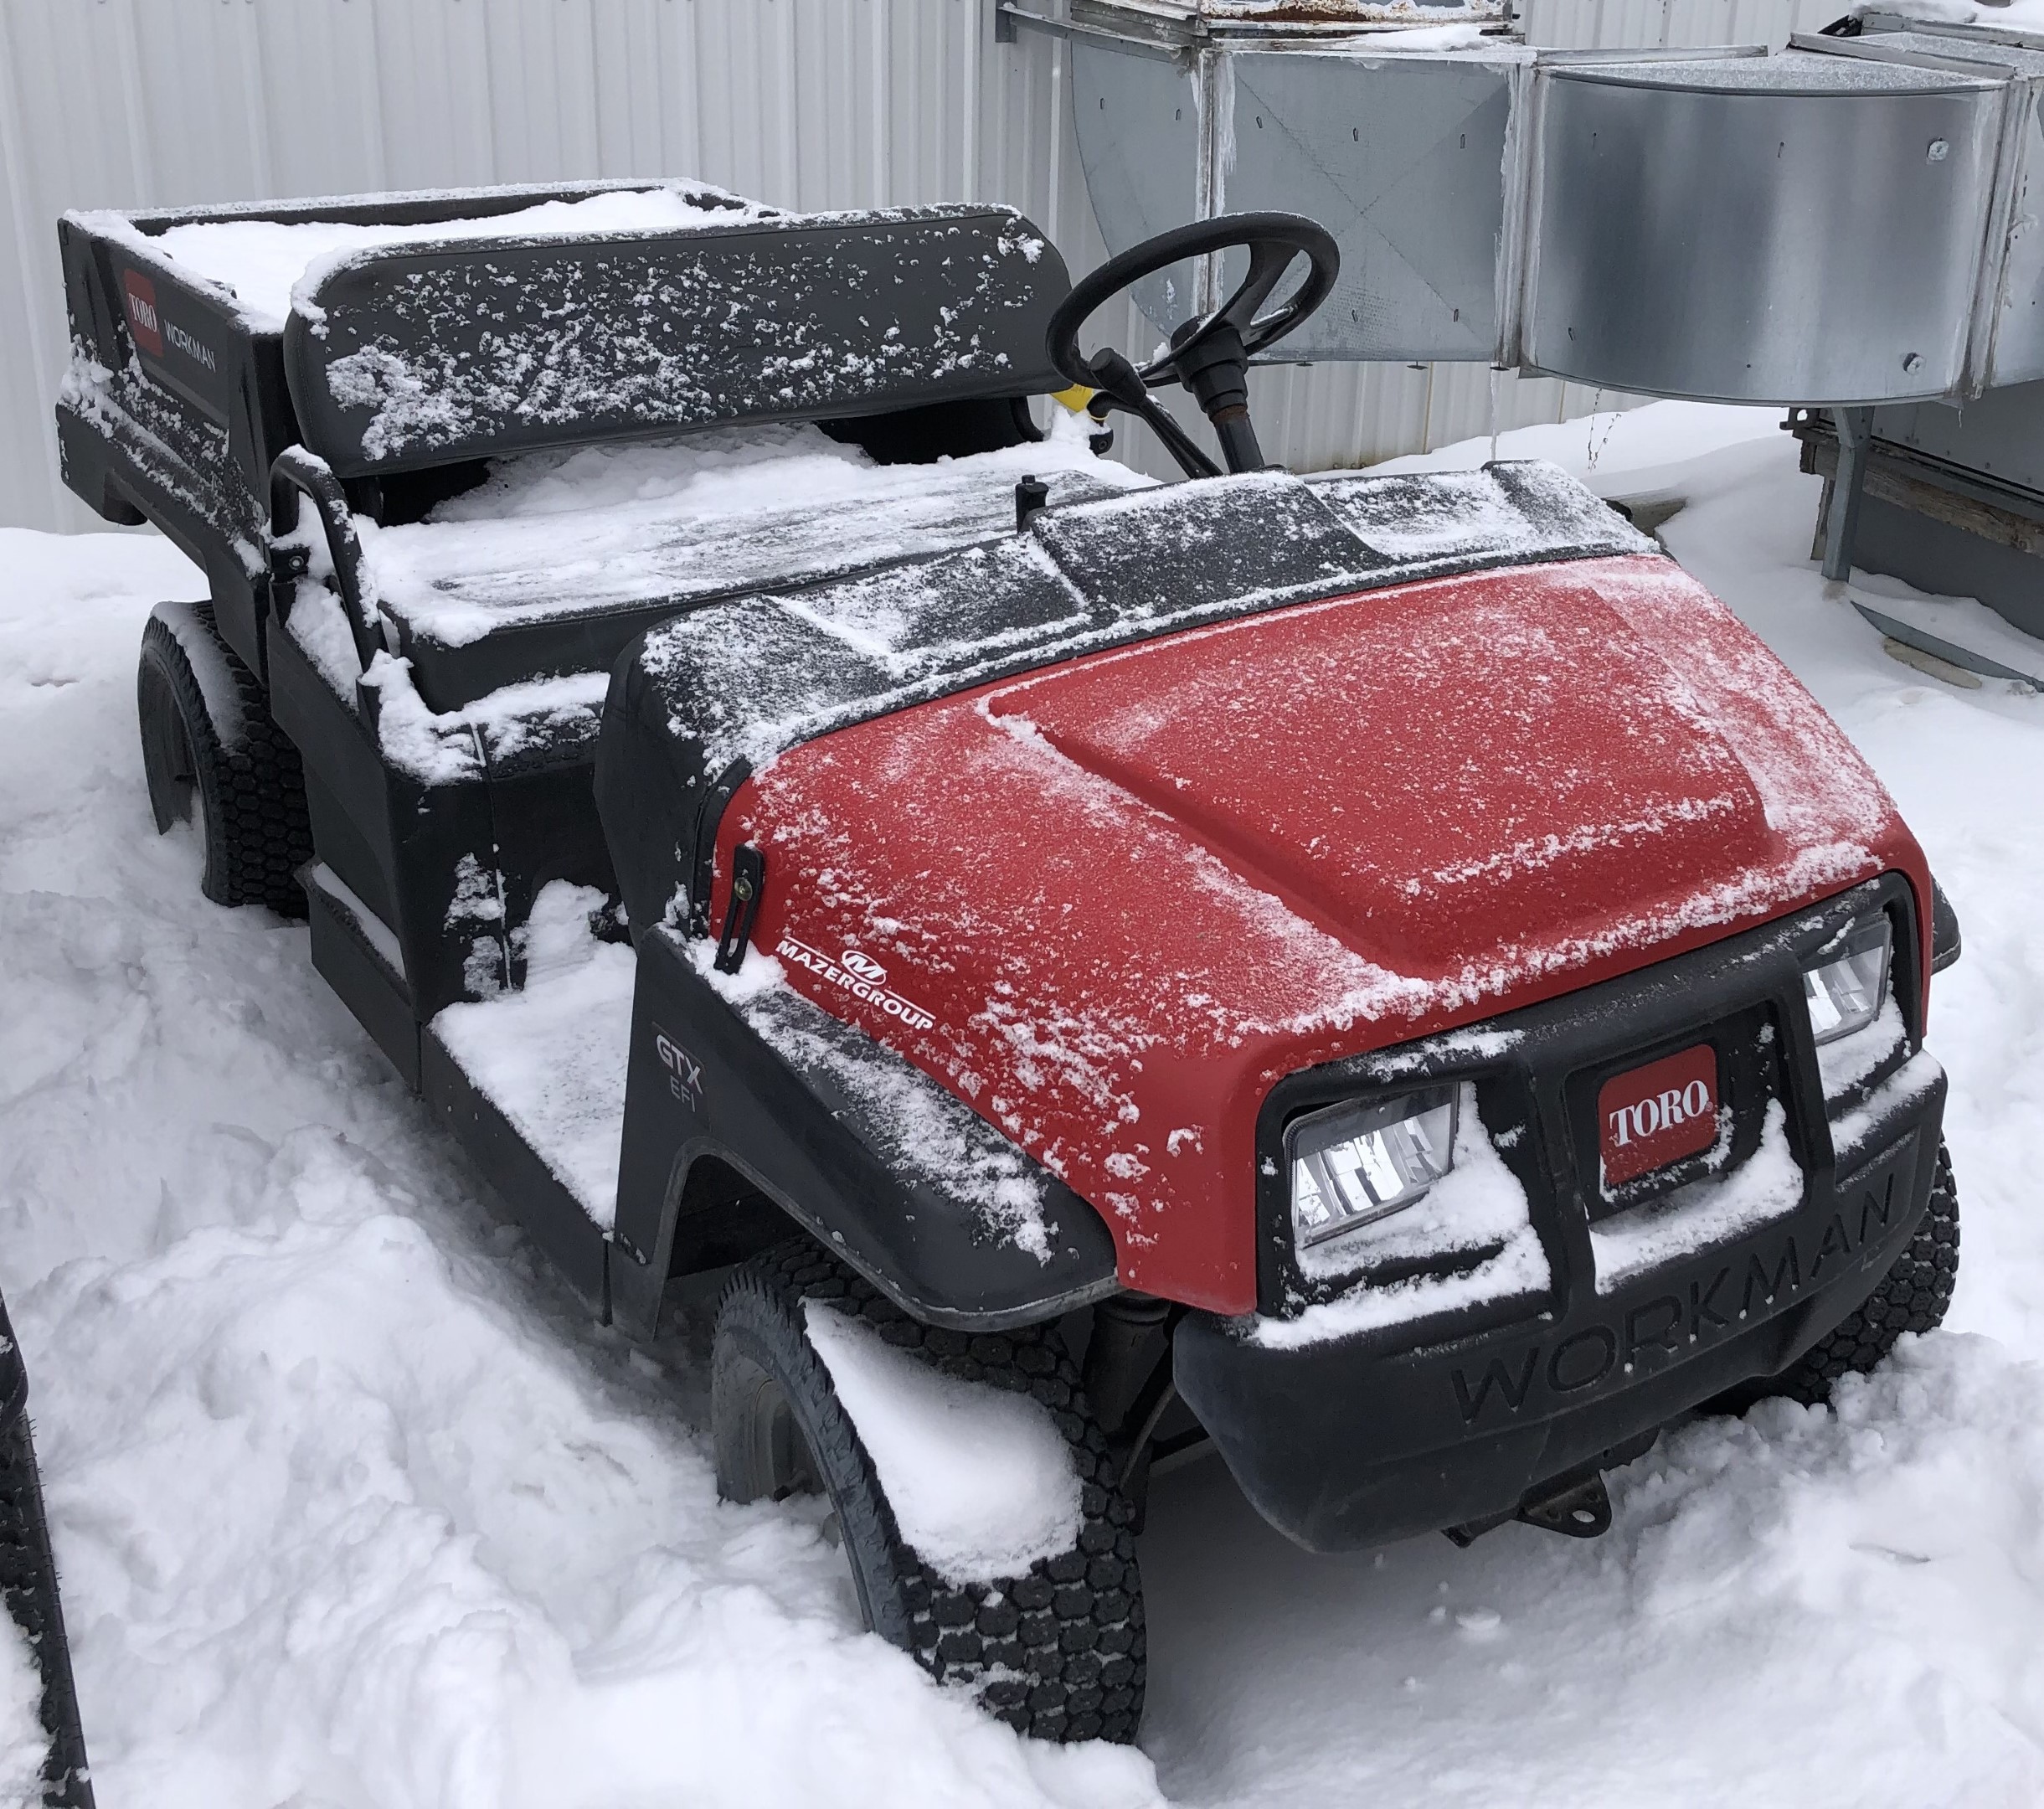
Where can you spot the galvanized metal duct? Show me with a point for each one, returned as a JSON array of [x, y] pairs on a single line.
[[1839, 223]]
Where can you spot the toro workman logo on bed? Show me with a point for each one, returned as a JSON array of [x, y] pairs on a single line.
[[860, 975], [143, 321]]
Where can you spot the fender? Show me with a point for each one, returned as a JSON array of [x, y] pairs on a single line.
[[825, 1123]]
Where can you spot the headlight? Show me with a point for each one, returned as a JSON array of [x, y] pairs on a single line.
[[1351, 1164], [1845, 989]]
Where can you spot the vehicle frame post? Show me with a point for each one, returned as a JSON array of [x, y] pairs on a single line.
[[1856, 432]]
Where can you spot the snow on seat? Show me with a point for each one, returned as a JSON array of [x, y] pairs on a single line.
[[260, 257], [403, 358], [561, 557]]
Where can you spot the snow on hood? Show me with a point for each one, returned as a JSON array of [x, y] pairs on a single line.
[[1135, 889]]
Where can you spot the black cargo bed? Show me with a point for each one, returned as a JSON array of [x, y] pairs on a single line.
[[176, 404]]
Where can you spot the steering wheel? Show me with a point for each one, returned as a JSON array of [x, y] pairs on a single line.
[[1210, 356]]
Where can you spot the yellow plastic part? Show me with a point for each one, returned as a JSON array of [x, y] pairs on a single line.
[[1076, 398]]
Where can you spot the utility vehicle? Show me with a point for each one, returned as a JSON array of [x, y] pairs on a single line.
[[1383, 974]]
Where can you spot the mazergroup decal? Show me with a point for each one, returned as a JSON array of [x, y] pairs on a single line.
[[860, 975]]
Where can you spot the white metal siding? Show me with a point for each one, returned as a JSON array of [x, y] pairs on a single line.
[[804, 103]]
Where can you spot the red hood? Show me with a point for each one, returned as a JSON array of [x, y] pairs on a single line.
[[1134, 890]]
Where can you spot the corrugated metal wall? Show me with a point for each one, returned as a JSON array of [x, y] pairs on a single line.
[[804, 103]]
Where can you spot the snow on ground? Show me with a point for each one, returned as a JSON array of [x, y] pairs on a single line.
[[354, 1508]]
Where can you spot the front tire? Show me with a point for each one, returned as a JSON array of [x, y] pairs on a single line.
[[209, 748], [1058, 1652], [1912, 1297]]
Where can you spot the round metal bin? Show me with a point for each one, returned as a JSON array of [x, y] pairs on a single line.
[[1793, 229]]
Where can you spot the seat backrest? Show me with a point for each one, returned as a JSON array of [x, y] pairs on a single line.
[[405, 358]]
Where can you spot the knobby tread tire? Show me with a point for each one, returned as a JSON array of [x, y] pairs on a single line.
[[1912, 1297], [28, 1582], [249, 783], [1059, 1653]]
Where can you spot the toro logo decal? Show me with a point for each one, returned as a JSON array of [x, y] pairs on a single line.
[[1653, 1116], [860, 975], [143, 321], [153, 328]]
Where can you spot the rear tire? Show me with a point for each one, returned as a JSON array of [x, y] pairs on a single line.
[[210, 747], [1057, 1653], [1912, 1297]]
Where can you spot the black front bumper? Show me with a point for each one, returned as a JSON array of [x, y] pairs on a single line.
[[1450, 1423]]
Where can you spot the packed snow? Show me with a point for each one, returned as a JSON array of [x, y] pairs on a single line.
[[1766, 1186], [354, 1508], [981, 1483], [552, 1055]]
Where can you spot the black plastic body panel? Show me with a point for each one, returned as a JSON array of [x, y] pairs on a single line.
[[1945, 942], [426, 858], [544, 824], [199, 346], [1361, 1441], [345, 779], [346, 960], [214, 358], [550, 1215], [201, 508], [448, 678], [733, 1097]]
